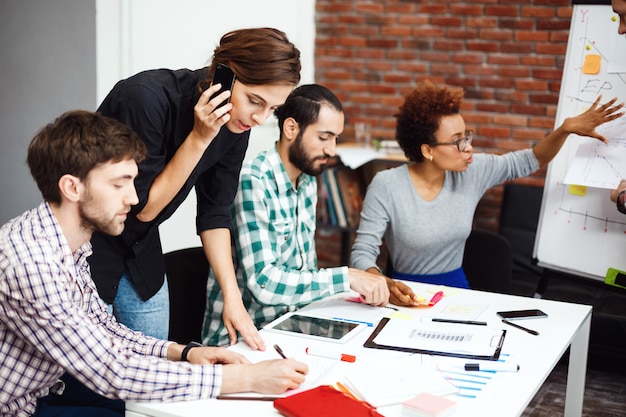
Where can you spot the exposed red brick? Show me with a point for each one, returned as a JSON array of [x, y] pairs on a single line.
[[506, 54]]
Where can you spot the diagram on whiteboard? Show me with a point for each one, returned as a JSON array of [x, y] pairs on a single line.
[[596, 164], [580, 231]]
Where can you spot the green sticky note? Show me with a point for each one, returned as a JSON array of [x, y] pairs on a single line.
[[615, 277]]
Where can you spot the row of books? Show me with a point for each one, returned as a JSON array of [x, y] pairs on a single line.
[[340, 196]]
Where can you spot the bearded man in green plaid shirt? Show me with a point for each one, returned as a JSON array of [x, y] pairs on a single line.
[[274, 222]]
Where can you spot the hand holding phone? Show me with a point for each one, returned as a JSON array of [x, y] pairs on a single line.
[[226, 77]]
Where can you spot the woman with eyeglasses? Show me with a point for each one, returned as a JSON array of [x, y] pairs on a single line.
[[425, 209]]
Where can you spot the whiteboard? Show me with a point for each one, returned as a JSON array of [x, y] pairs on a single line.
[[580, 231]]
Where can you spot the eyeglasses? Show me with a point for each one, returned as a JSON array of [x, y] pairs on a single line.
[[461, 143]]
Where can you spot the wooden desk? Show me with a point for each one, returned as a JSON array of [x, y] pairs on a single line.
[[566, 327]]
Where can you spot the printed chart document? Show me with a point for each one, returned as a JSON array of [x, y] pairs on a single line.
[[597, 164], [393, 382], [447, 339]]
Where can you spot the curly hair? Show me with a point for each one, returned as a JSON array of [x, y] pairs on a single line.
[[420, 115]]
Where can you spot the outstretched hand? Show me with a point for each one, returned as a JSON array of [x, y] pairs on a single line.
[[585, 123]]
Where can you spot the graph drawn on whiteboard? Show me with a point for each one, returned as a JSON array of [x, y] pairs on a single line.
[[580, 231], [596, 164]]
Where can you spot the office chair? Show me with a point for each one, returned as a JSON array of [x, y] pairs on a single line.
[[187, 274], [488, 262], [519, 216]]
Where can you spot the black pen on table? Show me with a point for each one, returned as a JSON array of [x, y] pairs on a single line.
[[477, 323], [280, 351], [535, 332]]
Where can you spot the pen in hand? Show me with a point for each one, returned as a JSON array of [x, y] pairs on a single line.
[[505, 321], [280, 351]]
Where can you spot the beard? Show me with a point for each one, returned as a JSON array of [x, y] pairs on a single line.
[[92, 219], [301, 159]]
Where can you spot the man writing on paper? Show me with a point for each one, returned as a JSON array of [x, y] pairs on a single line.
[[274, 220], [56, 334]]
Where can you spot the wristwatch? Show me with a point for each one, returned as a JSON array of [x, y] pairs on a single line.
[[621, 207], [183, 356]]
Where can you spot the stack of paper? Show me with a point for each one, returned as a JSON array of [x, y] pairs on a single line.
[[428, 405], [396, 382]]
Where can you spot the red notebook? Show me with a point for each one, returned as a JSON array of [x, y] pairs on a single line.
[[323, 401]]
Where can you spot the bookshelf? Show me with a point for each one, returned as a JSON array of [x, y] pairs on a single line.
[[341, 189]]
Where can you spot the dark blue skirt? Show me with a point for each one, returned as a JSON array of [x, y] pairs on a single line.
[[454, 278]]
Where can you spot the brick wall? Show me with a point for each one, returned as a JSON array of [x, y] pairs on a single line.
[[508, 56]]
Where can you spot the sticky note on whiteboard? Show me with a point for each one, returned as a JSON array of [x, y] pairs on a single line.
[[591, 64], [615, 277], [579, 190]]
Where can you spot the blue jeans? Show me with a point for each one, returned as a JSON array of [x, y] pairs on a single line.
[[151, 317], [77, 401]]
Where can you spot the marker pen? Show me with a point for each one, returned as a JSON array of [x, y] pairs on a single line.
[[438, 296], [324, 353], [496, 366]]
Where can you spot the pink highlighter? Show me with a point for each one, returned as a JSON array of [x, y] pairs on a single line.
[[438, 296]]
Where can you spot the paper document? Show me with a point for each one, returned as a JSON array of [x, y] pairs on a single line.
[[318, 367], [354, 157], [451, 339], [597, 164], [455, 309], [394, 382], [340, 308], [617, 58]]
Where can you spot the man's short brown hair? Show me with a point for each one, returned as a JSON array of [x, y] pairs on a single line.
[[75, 143]]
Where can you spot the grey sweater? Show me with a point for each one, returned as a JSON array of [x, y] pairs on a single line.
[[428, 237]]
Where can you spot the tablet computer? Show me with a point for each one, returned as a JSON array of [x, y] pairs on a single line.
[[320, 328]]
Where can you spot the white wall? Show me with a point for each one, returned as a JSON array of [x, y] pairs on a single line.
[[47, 53], [135, 35]]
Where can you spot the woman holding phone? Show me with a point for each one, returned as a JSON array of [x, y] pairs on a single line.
[[194, 139]]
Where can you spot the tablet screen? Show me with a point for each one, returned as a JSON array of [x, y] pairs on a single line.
[[314, 326]]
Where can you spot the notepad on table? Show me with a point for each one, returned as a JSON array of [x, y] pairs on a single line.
[[323, 401], [428, 405]]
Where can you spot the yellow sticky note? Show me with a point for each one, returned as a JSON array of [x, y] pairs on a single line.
[[579, 190], [400, 315], [592, 64]]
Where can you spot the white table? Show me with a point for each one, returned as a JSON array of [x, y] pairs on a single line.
[[567, 326]]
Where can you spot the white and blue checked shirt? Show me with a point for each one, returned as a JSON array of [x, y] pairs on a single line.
[[52, 320], [274, 229]]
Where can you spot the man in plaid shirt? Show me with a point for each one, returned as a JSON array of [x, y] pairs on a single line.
[[56, 335], [274, 221]]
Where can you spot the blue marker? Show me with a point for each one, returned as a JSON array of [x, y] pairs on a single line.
[[354, 321]]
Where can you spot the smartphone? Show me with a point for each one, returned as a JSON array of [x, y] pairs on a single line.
[[522, 314], [226, 77]]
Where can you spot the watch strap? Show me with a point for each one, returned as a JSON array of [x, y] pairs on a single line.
[[191, 345]]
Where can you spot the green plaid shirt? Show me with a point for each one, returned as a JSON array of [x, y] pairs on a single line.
[[274, 229]]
